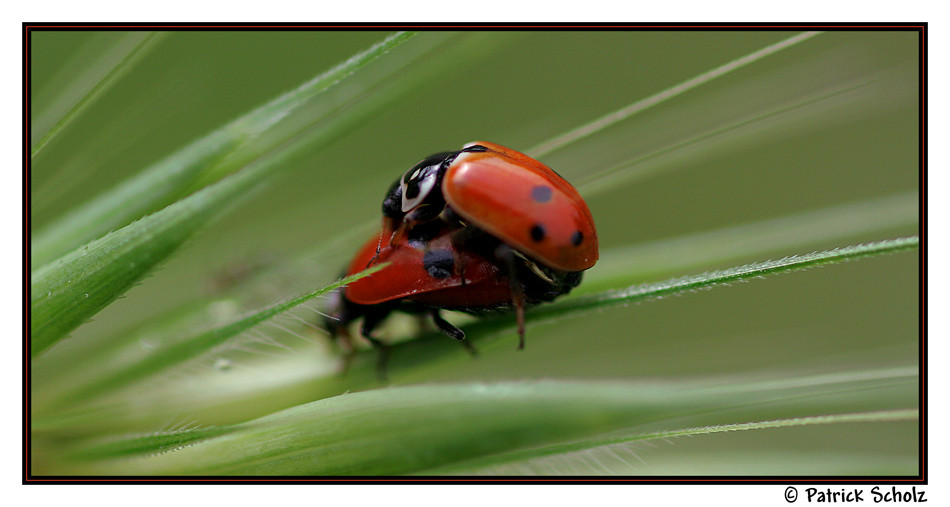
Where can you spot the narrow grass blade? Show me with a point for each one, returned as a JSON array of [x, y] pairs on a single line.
[[723, 277], [149, 444], [792, 111], [658, 98], [126, 53], [168, 179], [580, 305], [657, 259], [67, 292], [418, 429]]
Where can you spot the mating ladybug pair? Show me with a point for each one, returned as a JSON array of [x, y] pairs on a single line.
[[476, 230]]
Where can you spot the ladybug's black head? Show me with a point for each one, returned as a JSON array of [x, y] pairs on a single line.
[[423, 180], [419, 191], [422, 183]]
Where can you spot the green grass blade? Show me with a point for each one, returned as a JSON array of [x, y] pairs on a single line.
[[642, 292], [790, 113], [132, 48], [146, 192], [67, 292], [726, 276], [154, 443], [169, 178], [658, 98], [536, 460], [417, 429], [667, 257]]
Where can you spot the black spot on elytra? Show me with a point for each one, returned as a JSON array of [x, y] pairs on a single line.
[[537, 232], [577, 238], [541, 193], [439, 263]]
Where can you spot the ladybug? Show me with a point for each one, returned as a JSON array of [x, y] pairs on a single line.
[[477, 230]]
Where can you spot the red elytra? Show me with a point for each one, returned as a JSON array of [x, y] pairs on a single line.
[[464, 280], [524, 203]]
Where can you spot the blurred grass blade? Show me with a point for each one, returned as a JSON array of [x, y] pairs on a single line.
[[792, 111], [69, 291], [667, 257], [168, 179], [726, 276], [417, 429], [138, 196], [154, 443], [168, 355], [350, 105], [538, 460], [658, 98], [113, 64]]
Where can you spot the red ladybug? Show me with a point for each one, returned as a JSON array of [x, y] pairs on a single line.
[[480, 229]]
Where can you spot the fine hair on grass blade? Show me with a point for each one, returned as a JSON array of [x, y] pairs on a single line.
[[189, 347]]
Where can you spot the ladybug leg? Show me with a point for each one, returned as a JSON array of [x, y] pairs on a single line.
[[452, 331], [349, 350], [382, 359], [459, 238], [517, 298], [341, 315], [507, 257], [400, 228], [370, 321], [396, 236]]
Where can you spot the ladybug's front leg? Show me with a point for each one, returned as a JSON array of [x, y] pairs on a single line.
[[453, 332], [460, 238]]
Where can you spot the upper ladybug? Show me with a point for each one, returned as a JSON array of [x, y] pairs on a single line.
[[507, 194]]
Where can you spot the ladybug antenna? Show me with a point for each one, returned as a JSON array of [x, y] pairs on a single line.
[[388, 225], [379, 244]]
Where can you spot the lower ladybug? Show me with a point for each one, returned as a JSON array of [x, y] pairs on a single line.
[[429, 270], [480, 229]]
